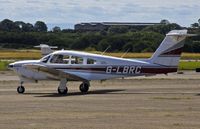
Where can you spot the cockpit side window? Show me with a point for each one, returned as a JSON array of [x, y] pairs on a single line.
[[56, 59], [60, 59], [91, 61], [66, 59], [76, 60], [45, 59]]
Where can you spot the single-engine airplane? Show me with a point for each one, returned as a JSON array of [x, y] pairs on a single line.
[[66, 65]]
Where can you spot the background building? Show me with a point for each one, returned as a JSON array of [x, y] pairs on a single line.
[[99, 26]]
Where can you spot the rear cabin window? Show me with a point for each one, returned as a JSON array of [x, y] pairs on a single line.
[[91, 61], [76, 60]]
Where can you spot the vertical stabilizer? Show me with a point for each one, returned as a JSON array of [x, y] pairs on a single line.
[[169, 51]]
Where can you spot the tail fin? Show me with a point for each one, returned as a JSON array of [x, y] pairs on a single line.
[[169, 51], [45, 49]]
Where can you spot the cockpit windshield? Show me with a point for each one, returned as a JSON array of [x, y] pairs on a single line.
[[45, 59]]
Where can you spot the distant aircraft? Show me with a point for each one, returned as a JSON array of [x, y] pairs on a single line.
[[45, 49], [68, 65]]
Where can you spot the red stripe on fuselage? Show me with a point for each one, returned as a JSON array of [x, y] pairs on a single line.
[[158, 70], [114, 70]]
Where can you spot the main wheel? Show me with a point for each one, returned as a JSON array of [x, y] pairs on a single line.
[[84, 87], [20, 89], [63, 91]]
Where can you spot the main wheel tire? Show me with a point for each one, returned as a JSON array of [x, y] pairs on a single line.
[[63, 91], [84, 87], [20, 89]]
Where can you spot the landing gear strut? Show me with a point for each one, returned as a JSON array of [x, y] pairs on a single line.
[[84, 87], [62, 89], [21, 89]]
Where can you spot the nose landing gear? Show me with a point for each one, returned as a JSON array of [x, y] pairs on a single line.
[[21, 89]]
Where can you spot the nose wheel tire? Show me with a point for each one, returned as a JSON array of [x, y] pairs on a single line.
[[84, 87], [62, 91], [20, 89]]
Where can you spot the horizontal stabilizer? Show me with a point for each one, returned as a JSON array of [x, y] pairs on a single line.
[[46, 49]]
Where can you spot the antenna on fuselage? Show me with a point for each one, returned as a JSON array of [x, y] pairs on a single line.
[[125, 53], [105, 50]]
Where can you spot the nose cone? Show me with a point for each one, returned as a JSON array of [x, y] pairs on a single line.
[[11, 66]]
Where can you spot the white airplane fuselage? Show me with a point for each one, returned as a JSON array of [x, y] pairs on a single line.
[[120, 68], [68, 65]]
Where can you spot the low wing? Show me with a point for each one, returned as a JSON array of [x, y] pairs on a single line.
[[53, 72]]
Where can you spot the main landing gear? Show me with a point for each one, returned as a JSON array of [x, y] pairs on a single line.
[[84, 87], [62, 88], [62, 91], [20, 89]]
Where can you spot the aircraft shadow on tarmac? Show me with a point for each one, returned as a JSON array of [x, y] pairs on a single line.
[[107, 91], [198, 94]]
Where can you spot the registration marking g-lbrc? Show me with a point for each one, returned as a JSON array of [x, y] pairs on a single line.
[[124, 69]]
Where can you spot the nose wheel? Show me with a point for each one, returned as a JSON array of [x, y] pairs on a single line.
[[20, 89]]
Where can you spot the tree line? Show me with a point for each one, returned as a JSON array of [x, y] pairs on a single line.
[[19, 35]]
